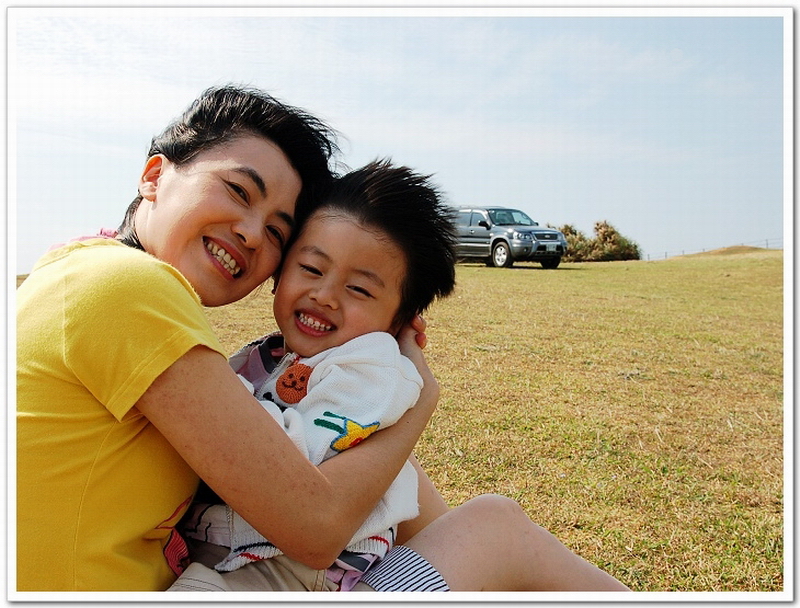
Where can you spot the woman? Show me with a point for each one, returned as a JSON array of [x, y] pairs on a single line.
[[125, 398]]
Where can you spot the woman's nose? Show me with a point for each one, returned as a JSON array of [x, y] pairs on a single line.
[[250, 230]]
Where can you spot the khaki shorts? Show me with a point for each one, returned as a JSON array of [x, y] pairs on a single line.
[[401, 570]]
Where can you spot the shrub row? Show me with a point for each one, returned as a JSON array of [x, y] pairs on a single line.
[[606, 246]]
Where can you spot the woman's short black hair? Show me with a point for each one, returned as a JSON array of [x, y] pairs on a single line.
[[224, 113]]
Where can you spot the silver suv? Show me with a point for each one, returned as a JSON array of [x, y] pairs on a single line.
[[500, 236]]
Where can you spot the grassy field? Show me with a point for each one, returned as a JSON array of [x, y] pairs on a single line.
[[635, 409]]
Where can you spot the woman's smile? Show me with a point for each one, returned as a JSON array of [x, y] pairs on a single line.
[[225, 259]]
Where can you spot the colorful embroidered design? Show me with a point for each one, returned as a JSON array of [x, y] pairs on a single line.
[[175, 550], [351, 433], [292, 384]]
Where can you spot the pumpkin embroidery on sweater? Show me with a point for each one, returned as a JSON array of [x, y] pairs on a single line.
[[351, 433], [292, 385]]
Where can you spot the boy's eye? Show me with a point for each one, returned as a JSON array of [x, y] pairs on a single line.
[[310, 269], [361, 291]]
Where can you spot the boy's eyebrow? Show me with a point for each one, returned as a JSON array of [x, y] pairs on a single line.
[[371, 276], [314, 250], [262, 188]]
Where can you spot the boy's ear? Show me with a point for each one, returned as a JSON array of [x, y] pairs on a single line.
[[148, 182]]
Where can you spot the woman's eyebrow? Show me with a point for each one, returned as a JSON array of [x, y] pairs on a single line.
[[287, 218], [254, 177], [262, 188]]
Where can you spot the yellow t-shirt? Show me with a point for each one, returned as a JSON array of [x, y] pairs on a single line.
[[99, 489]]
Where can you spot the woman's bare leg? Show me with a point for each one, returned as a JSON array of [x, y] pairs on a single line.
[[490, 544]]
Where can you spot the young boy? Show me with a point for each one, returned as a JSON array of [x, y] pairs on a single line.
[[373, 254]]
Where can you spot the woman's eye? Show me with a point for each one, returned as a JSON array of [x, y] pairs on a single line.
[[277, 235], [239, 191]]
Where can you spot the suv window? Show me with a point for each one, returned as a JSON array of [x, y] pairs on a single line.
[[477, 216], [510, 217], [462, 218]]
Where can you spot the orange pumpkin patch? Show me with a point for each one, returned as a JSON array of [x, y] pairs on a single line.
[[292, 385]]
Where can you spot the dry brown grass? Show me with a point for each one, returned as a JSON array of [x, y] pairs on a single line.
[[635, 409]]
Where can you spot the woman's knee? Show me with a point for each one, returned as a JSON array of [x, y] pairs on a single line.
[[507, 518], [496, 505]]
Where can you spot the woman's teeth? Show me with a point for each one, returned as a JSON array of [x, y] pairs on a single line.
[[223, 257], [313, 323]]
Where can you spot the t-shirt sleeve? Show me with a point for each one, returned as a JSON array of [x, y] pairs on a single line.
[[126, 320]]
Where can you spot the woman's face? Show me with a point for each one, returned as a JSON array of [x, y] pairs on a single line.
[[222, 219]]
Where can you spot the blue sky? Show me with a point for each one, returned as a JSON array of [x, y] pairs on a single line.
[[668, 124]]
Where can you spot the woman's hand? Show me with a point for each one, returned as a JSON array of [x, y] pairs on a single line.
[[419, 324], [412, 340]]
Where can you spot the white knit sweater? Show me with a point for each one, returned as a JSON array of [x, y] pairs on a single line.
[[333, 401]]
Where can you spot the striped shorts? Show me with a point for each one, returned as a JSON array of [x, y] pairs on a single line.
[[403, 569]]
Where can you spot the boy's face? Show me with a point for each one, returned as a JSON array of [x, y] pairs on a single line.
[[339, 281]]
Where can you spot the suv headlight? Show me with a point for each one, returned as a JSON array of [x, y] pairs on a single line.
[[521, 236]]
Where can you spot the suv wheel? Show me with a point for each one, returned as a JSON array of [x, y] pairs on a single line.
[[501, 255], [551, 263]]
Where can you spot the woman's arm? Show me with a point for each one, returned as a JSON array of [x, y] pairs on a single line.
[[236, 447]]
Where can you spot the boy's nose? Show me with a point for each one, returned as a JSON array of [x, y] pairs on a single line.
[[324, 295]]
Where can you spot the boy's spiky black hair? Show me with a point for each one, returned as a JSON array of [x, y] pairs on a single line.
[[409, 209]]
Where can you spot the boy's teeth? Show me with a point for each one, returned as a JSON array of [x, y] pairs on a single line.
[[224, 258], [313, 323]]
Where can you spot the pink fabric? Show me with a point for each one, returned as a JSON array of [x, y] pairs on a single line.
[[108, 233]]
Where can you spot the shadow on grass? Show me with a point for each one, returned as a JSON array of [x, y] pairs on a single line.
[[518, 266]]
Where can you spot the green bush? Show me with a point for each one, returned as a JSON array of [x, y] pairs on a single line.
[[607, 245]]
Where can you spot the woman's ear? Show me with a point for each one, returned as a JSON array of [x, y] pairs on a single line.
[[148, 182]]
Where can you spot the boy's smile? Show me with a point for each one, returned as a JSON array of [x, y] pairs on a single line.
[[340, 281], [308, 322]]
